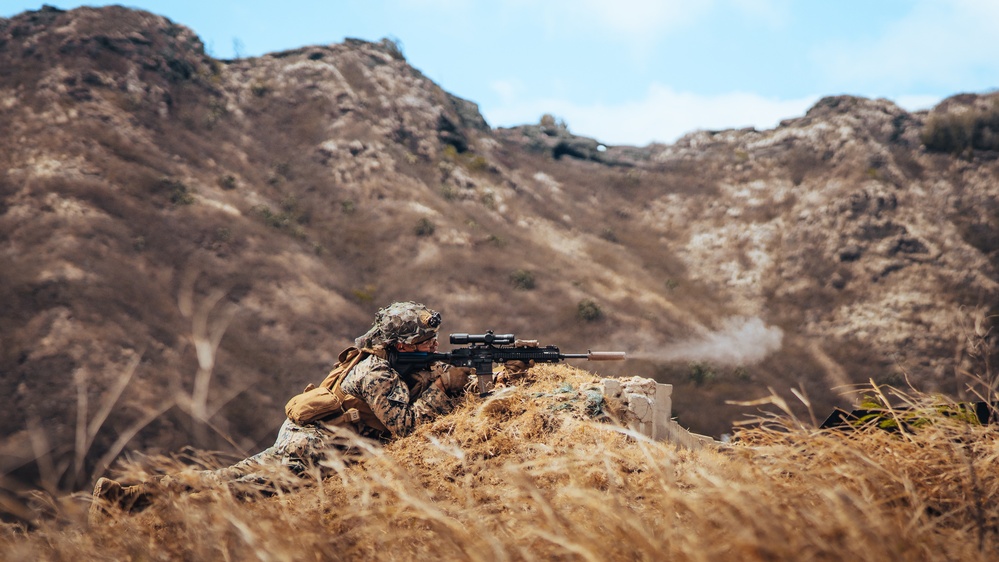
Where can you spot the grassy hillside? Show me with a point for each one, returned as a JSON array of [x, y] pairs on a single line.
[[530, 474]]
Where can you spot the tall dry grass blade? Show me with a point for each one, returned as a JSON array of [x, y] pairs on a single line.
[[891, 410], [41, 449], [250, 538], [646, 447], [86, 431], [186, 405], [80, 448], [207, 336], [104, 462], [802, 395], [773, 399], [15, 508]]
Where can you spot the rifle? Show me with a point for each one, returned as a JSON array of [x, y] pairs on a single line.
[[485, 349]]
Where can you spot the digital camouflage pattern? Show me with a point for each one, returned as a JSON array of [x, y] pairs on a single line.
[[400, 322]]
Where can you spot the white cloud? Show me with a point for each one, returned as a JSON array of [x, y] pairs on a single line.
[[916, 102], [443, 6], [774, 13], [663, 115], [936, 45], [637, 23], [642, 18], [507, 90]]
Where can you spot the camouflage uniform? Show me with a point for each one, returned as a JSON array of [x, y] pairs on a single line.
[[400, 400], [394, 401], [298, 449]]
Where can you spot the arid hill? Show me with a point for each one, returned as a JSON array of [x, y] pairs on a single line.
[[185, 242]]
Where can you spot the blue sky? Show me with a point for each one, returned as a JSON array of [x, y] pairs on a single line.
[[632, 71]]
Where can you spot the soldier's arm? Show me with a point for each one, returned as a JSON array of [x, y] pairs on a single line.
[[389, 398]]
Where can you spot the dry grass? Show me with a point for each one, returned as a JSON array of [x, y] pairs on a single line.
[[526, 474]]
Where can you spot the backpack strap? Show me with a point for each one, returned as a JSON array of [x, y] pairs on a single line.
[[348, 359], [354, 409]]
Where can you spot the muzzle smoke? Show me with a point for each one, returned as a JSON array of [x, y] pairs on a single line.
[[740, 341]]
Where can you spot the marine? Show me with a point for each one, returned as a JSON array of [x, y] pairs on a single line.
[[366, 395]]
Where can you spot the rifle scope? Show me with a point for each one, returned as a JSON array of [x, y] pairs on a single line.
[[488, 338]]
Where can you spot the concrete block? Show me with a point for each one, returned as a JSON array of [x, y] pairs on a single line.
[[612, 387], [641, 407], [649, 409], [663, 411]]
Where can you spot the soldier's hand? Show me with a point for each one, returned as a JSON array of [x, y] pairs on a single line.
[[455, 379], [421, 380], [517, 367], [513, 370]]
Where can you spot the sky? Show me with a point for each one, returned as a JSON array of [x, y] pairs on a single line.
[[631, 72]]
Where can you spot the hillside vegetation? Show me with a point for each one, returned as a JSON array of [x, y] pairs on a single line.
[[529, 474]]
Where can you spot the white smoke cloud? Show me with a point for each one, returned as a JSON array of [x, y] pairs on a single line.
[[740, 341]]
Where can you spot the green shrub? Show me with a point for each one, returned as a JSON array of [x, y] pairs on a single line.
[[227, 182], [425, 227], [956, 133], [477, 163], [450, 152], [550, 123], [365, 294], [489, 200], [522, 280], [260, 89], [180, 194], [392, 46], [216, 112], [589, 311], [701, 373], [289, 204], [496, 240], [449, 192], [286, 220]]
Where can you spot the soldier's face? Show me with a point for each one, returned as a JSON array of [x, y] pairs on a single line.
[[429, 346]]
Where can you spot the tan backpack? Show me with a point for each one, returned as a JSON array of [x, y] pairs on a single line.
[[331, 405]]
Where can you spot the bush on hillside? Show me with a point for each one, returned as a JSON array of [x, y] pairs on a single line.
[[425, 227], [522, 280], [956, 132], [589, 310]]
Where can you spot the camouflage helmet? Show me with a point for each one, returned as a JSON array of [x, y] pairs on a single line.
[[401, 322]]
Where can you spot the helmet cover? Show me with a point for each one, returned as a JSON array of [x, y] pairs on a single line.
[[401, 322]]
